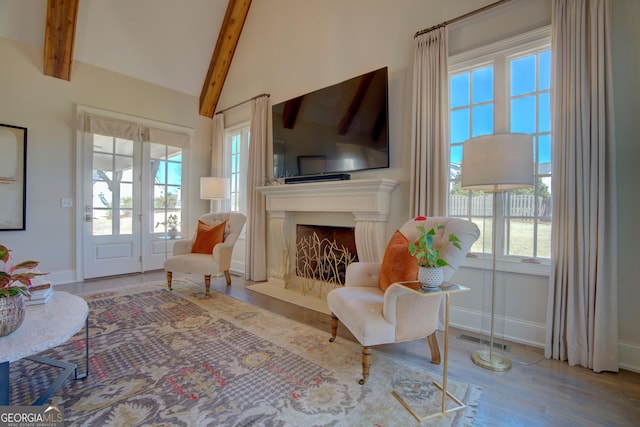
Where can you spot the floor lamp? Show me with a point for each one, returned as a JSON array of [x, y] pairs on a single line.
[[214, 188], [495, 164]]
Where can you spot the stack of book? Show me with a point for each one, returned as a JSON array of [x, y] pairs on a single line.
[[40, 294]]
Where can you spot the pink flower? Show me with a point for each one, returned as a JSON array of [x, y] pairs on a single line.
[[420, 218]]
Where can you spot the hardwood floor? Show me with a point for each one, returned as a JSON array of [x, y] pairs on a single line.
[[535, 392]]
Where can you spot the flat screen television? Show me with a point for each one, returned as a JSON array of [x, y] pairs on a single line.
[[338, 129]]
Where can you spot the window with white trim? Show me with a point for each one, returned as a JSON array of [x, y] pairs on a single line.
[[504, 87], [237, 155]]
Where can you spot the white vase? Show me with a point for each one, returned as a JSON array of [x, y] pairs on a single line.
[[430, 277]]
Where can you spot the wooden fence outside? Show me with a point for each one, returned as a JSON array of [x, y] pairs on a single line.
[[521, 206]]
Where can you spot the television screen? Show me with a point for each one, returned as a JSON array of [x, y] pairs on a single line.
[[341, 128]]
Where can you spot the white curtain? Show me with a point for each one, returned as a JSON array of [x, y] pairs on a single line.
[[256, 257], [218, 157], [582, 315], [429, 128]]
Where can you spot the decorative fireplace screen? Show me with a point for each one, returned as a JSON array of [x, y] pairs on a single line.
[[322, 257]]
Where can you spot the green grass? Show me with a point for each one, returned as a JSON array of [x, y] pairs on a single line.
[[520, 239]]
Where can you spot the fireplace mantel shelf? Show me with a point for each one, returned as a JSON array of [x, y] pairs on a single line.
[[360, 196]]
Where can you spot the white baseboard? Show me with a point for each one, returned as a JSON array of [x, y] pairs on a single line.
[[62, 277], [510, 329], [629, 356], [530, 333]]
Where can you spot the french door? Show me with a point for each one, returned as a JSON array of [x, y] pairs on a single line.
[[112, 206], [132, 195]]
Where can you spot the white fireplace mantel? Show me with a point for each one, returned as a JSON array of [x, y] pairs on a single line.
[[369, 200]]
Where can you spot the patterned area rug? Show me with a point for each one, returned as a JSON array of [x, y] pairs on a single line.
[[171, 359]]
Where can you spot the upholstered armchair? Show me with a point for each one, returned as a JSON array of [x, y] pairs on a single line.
[[377, 310], [209, 252]]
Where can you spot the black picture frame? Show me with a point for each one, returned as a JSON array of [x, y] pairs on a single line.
[[13, 177]]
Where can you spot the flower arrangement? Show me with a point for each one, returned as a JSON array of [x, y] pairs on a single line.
[[424, 249], [16, 278], [172, 222]]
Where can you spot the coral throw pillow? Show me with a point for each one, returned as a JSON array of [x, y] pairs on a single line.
[[397, 264], [207, 237]]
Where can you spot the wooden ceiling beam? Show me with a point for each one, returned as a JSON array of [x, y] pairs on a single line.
[[230, 30], [59, 38]]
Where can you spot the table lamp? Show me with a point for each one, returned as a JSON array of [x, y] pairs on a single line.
[[214, 188]]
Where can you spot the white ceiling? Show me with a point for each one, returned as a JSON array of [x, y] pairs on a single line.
[[166, 42]]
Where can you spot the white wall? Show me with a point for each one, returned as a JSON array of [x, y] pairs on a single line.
[[291, 47], [45, 106]]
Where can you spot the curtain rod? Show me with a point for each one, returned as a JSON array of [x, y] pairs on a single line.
[[461, 17], [242, 102]]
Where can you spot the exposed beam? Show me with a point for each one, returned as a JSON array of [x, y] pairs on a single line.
[[59, 37], [234, 18]]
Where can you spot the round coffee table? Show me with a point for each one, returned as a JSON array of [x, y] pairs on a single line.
[[45, 326]]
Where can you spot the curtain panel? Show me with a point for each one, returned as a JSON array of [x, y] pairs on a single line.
[[582, 313], [430, 125], [256, 257]]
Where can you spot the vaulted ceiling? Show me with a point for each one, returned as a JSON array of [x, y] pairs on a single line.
[[186, 46]]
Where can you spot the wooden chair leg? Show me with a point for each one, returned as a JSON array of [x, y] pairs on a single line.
[[334, 327], [366, 363], [227, 276], [169, 277], [435, 350], [207, 284]]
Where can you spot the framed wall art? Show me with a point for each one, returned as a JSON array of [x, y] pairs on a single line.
[[13, 177]]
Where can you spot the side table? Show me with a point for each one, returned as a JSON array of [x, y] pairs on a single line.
[[45, 326], [445, 289]]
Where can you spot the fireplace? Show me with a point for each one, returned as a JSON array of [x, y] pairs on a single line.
[[323, 254], [368, 200]]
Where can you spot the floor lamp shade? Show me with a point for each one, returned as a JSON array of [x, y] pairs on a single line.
[[497, 162], [214, 188]]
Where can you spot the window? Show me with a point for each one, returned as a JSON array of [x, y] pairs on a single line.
[[504, 88], [237, 149]]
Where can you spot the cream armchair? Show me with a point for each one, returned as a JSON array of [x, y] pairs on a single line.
[[216, 263], [377, 317]]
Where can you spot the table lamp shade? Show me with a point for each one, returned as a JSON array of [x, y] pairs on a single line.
[[498, 162], [214, 188]]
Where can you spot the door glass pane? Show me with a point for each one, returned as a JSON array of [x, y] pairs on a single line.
[[102, 144], [112, 186], [126, 208], [102, 202], [166, 181], [124, 147]]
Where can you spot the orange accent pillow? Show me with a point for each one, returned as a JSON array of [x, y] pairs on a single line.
[[207, 237], [397, 264]]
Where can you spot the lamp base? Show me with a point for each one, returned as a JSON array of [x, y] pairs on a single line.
[[492, 362]]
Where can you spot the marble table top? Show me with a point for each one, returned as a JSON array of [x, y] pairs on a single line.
[[45, 326]]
